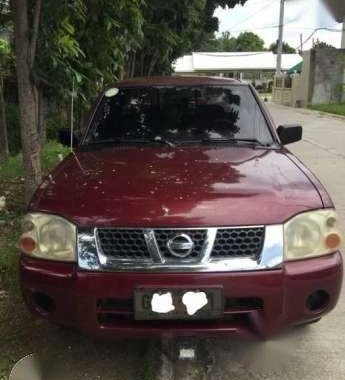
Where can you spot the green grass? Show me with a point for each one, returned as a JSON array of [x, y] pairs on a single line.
[[10, 230], [13, 167], [11, 186], [336, 109]]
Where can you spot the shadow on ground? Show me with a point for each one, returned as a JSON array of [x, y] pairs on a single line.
[[74, 356]]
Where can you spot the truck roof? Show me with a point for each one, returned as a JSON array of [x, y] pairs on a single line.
[[176, 81]]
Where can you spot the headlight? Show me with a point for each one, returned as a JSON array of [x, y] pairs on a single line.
[[312, 234], [49, 237]]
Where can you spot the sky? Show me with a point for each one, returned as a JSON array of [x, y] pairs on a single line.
[[301, 17]]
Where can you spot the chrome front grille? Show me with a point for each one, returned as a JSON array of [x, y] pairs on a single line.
[[188, 249], [238, 242], [133, 245]]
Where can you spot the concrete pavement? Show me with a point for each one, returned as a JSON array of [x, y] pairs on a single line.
[[322, 148], [316, 352]]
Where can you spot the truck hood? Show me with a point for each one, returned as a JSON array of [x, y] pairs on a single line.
[[180, 187]]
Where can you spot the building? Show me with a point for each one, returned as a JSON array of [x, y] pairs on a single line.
[[321, 80], [255, 67]]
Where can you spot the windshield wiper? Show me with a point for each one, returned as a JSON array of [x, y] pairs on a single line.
[[156, 140], [163, 141], [254, 142]]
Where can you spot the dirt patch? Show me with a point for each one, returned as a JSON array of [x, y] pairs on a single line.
[[70, 354]]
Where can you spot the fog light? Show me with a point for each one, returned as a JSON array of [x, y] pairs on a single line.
[[317, 301], [43, 302]]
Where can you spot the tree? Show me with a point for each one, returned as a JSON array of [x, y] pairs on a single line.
[[171, 29], [168, 30], [244, 42], [85, 41], [92, 43], [5, 64], [228, 43], [56, 43], [322, 45], [115, 29], [287, 49], [209, 23], [26, 32], [249, 41], [224, 43]]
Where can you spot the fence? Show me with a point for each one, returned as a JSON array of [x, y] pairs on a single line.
[[287, 90]]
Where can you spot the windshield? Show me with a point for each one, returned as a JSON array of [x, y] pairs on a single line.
[[179, 115]]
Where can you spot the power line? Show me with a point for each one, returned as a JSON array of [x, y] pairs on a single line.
[[245, 54], [317, 30], [262, 27], [327, 28], [253, 15]]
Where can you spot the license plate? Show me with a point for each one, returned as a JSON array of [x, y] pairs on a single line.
[[178, 304]]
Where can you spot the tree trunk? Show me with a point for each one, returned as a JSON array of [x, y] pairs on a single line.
[[42, 113], [152, 65], [31, 144], [133, 63], [4, 151], [142, 57]]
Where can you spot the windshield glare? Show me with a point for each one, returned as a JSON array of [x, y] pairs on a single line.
[[180, 114]]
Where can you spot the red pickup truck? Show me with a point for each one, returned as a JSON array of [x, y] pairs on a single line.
[[180, 212]]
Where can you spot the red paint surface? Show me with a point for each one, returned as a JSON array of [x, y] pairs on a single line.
[[192, 186], [175, 81], [283, 292]]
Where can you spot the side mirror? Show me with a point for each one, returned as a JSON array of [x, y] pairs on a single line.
[[64, 136], [289, 134]]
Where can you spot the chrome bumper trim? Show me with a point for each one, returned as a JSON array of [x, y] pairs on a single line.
[[91, 258]]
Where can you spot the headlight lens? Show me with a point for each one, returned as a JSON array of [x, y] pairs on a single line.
[[312, 234], [49, 237]]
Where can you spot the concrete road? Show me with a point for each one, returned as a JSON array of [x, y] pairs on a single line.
[[322, 148], [318, 351]]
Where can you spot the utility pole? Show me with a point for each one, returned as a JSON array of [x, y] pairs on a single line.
[[280, 38], [343, 36]]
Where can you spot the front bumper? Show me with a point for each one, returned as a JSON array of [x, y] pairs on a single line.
[[259, 303]]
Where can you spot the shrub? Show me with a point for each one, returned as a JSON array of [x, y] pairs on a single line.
[[13, 127], [51, 154]]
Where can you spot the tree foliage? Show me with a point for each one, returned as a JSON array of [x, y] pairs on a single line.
[[322, 45], [91, 43], [87, 41], [225, 43], [171, 29], [287, 49], [249, 41], [246, 41]]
